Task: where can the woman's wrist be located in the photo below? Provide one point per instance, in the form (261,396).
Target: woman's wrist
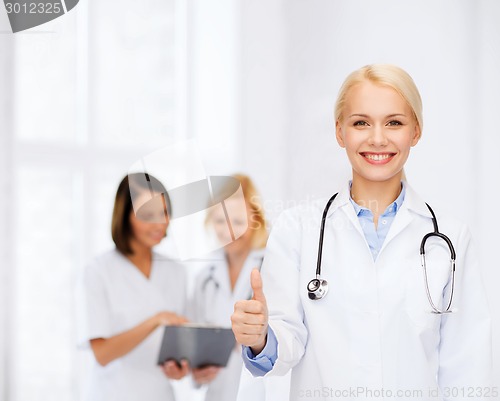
(257,349)
(157,321)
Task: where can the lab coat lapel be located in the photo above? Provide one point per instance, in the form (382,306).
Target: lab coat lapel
(221,273)
(401,221)
(411,204)
(342,201)
(242,289)
(353,218)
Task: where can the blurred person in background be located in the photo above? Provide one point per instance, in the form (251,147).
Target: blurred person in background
(126,294)
(241,227)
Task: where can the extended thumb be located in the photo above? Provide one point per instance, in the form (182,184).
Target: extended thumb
(256,283)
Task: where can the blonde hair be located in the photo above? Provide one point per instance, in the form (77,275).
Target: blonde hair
(257,223)
(253,200)
(383,74)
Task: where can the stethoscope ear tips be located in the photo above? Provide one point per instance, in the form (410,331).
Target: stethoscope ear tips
(317,289)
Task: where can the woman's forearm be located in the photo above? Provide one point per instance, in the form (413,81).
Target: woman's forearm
(107,350)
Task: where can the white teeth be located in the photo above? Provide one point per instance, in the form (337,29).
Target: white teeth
(378,156)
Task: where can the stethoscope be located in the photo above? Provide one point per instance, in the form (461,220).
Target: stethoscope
(211,278)
(317,288)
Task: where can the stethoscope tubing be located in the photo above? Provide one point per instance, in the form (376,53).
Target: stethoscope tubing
(321,235)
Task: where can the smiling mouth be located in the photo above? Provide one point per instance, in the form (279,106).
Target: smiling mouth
(157,235)
(377,156)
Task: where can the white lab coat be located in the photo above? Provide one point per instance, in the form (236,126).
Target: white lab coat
(213,303)
(113,297)
(373,331)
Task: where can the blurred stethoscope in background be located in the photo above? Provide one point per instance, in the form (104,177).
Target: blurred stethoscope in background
(317,288)
(211,280)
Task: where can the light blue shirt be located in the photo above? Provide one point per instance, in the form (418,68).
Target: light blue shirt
(375,236)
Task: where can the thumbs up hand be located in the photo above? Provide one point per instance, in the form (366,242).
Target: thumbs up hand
(256,283)
(250,318)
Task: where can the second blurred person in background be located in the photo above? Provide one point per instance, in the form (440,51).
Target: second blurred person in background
(241,229)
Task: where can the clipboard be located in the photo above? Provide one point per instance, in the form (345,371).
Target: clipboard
(201,345)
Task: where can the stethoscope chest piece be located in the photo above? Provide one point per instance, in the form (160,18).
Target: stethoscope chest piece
(317,288)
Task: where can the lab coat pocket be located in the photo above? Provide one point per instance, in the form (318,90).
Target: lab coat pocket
(417,304)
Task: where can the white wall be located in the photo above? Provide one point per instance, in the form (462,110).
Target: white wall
(6,251)
(264,99)
(214,84)
(484,147)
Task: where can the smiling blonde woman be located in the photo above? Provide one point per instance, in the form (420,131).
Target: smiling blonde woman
(358,323)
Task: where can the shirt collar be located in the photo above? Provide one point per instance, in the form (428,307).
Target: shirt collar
(392,208)
(412,201)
